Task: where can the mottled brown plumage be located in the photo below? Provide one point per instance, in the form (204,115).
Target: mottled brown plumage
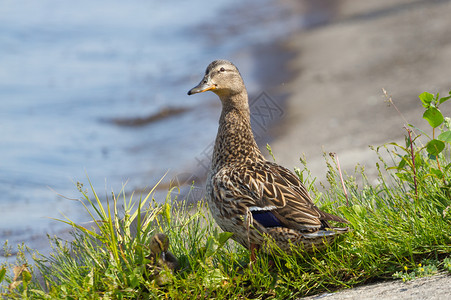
(160,259)
(248,195)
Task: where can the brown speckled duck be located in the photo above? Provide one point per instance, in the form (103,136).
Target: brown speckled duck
(160,259)
(248,195)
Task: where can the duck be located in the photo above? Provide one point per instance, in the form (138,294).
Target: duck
(160,259)
(249,196)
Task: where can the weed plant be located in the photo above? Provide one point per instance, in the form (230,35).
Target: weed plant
(400,228)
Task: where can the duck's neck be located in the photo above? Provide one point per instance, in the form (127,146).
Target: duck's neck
(235,141)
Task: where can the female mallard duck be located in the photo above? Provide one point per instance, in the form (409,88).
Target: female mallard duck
(160,259)
(248,195)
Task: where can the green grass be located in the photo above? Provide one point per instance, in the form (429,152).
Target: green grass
(401,226)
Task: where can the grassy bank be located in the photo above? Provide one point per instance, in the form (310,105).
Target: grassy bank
(401,224)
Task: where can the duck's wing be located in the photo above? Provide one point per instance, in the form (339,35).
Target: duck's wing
(299,206)
(275,197)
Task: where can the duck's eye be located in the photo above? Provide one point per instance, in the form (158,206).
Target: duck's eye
(222,69)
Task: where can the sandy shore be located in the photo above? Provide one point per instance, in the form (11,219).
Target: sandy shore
(336,98)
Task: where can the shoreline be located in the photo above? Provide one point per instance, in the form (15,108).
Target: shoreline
(336,102)
(262,62)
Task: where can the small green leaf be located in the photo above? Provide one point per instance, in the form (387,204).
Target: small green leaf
(434,147)
(445,136)
(426,98)
(441,100)
(210,247)
(359,210)
(433,116)
(403,162)
(437,173)
(223,238)
(26,276)
(2,274)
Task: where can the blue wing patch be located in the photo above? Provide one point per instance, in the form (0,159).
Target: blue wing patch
(266,218)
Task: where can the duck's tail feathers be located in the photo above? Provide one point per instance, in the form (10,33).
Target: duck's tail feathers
(329,217)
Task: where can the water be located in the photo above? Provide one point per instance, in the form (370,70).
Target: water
(69,69)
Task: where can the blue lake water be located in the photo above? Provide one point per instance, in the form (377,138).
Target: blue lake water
(68,69)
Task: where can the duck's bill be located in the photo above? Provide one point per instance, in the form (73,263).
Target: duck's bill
(201,87)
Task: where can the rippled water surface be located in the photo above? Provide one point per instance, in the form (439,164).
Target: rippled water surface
(74,76)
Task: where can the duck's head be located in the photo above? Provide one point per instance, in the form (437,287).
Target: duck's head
(159,244)
(222,78)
